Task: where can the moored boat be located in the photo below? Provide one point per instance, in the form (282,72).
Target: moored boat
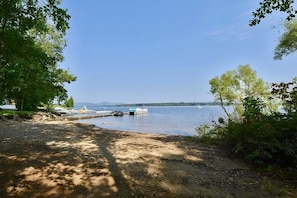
(118,113)
(70,112)
(103,112)
(137,111)
(8,107)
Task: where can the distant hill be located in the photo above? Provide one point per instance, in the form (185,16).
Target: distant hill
(90,104)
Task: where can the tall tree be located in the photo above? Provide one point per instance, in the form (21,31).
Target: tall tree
(234,86)
(268,6)
(31,44)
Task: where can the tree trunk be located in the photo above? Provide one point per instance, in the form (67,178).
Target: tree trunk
(222,105)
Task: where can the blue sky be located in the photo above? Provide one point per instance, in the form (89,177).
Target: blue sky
(135,51)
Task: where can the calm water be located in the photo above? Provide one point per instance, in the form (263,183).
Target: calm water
(163,120)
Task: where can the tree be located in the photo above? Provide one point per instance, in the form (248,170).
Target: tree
(268,6)
(287,93)
(24,15)
(234,86)
(69,102)
(31,44)
(288,41)
(52,43)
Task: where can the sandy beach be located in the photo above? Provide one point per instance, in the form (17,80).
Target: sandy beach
(67,159)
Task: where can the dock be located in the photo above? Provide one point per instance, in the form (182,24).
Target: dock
(90,116)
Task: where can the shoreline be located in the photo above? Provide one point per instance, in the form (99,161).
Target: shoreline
(67,159)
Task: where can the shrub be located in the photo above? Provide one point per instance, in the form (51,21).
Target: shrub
(263,139)
(212,133)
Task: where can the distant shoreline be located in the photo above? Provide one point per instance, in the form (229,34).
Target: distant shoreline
(106,104)
(172,104)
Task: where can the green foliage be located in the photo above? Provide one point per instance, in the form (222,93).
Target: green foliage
(212,134)
(268,6)
(204,130)
(262,137)
(32,40)
(271,140)
(253,108)
(69,102)
(288,41)
(13,114)
(287,94)
(233,86)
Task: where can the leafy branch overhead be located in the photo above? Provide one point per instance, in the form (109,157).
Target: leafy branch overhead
(288,41)
(268,6)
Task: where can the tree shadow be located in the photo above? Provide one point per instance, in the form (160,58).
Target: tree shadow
(81,160)
(52,160)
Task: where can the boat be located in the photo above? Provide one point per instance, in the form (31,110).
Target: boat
(118,113)
(104,112)
(83,110)
(137,111)
(8,107)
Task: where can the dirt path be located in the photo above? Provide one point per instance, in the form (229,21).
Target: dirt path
(64,159)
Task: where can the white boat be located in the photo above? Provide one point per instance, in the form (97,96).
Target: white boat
(8,107)
(104,112)
(82,110)
(85,110)
(137,111)
(62,111)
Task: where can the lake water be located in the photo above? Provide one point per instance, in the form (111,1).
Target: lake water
(173,120)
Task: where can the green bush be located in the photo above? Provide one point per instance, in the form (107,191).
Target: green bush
(211,133)
(69,102)
(263,139)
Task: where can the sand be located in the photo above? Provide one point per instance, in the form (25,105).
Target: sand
(67,159)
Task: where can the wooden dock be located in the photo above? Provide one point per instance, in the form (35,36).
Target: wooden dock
(91,116)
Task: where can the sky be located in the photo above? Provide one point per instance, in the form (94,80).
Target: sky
(146,51)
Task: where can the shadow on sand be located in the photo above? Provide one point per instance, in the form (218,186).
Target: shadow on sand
(79,160)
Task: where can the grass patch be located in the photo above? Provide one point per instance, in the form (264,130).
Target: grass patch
(10,114)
